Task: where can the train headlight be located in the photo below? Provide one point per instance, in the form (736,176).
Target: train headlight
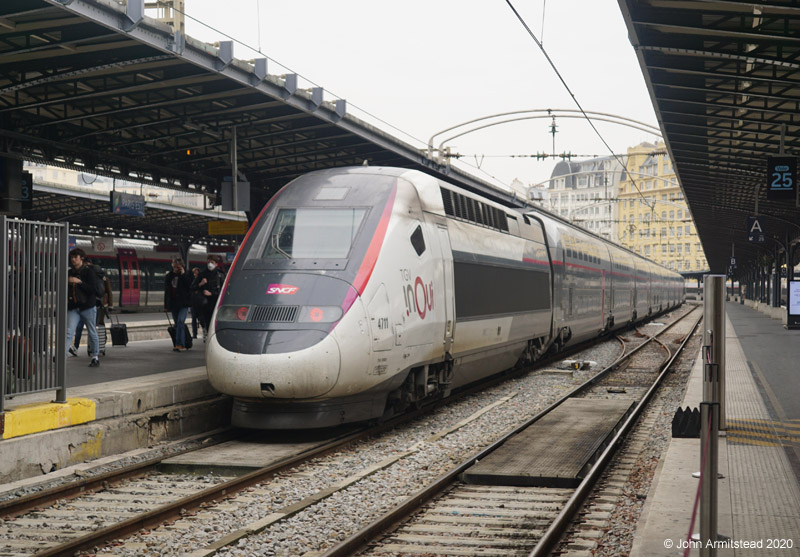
(233,313)
(319,314)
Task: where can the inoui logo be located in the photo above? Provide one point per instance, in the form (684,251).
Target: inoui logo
(282,289)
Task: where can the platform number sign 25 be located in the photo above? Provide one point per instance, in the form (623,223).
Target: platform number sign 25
(781,178)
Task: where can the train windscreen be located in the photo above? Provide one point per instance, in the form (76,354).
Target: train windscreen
(312,233)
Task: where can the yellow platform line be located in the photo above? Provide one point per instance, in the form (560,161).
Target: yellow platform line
(746,441)
(38,417)
(751,434)
(787,425)
(765,427)
(777,438)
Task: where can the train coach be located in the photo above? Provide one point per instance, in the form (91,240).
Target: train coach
(136,269)
(360,291)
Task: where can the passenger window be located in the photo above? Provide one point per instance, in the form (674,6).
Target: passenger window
(418,241)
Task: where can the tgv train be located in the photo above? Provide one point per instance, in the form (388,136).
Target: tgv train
(360,291)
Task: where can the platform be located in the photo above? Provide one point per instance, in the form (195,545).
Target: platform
(141,394)
(557,450)
(759,496)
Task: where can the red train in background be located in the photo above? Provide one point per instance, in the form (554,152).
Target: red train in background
(137,269)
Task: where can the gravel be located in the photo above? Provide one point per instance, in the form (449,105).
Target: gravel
(322,525)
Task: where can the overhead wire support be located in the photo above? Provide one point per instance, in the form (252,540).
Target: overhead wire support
(571,94)
(536,113)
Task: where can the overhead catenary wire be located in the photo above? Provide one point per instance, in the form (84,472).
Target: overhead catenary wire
(571,94)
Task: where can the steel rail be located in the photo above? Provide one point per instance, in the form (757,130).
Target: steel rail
(402,511)
(20,505)
(559,526)
(15,507)
(174,510)
(178,508)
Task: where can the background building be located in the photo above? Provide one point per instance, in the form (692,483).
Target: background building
(653,217)
(583,192)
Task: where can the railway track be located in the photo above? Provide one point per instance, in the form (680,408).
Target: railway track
(454,518)
(189,504)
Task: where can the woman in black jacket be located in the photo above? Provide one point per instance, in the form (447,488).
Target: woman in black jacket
(177,299)
(205,291)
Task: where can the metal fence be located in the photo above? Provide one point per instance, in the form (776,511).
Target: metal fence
(33,302)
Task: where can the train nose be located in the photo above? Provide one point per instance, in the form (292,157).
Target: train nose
(278,364)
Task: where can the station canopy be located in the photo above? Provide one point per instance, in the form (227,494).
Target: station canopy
(97,86)
(89,213)
(724,77)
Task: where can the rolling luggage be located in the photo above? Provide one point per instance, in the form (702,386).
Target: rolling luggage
(119,333)
(102,338)
(187,333)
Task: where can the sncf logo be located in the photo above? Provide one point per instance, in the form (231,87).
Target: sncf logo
(285,289)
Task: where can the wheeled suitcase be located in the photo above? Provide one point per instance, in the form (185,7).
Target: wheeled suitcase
(186,333)
(102,338)
(119,332)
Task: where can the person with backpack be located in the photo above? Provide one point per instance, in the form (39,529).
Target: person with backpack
(104,305)
(83,288)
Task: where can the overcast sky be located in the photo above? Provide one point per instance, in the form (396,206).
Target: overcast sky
(424,66)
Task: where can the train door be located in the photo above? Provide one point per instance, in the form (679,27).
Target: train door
(130,278)
(449,309)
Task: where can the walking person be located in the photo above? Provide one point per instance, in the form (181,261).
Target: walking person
(205,291)
(177,299)
(83,286)
(195,303)
(104,305)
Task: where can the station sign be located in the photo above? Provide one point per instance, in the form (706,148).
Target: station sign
(227,227)
(793,307)
(755,232)
(127,204)
(781,178)
(103,244)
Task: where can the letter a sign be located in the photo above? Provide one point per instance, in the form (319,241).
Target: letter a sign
(755,233)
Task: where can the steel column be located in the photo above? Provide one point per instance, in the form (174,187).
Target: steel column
(714,336)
